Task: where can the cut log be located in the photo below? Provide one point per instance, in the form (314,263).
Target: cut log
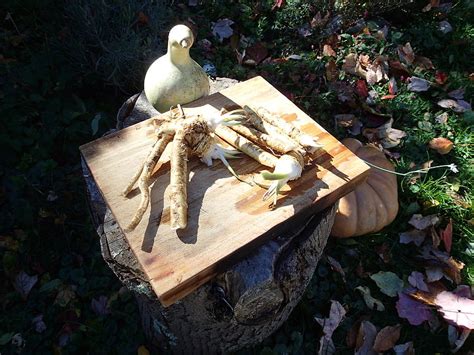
(238,308)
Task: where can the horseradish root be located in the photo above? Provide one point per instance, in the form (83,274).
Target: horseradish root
(178,183)
(245,146)
(305,140)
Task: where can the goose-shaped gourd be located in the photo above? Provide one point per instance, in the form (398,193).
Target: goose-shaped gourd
(176,78)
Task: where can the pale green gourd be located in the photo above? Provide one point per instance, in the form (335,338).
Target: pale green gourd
(176,78)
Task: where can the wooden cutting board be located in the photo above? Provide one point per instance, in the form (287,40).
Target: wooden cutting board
(226,218)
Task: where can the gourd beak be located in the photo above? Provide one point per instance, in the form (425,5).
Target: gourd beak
(185,43)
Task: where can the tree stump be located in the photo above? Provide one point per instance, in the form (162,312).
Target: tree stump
(241,306)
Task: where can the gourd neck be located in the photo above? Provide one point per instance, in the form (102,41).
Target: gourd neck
(178,56)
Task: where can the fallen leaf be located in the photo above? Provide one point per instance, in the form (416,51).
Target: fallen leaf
(345,120)
(406,54)
(423,62)
(414,311)
(305,30)
(387,136)
(387,338)
(221,29)
(388,282)
(344,92)
(463,291)
(441,145)
(65,295)
(365,339)
(442,118)
(38,324)
(457,338)
(434,274)
(336,266)
(457,94)
(418,84)
(457,309)
(24,283)
(392,86)
(361,88)
(441,77)
(364,60)
(398,69)
(100,306)
(435,259)
(404,349)
(318,21)
(142,18)
(446,236)
(332,73)
(383,250)
(371,302)
(413,236)
(336,315)
(328,51)
(456,105)
(352,66)
(421,222)
(257,52)
(374,74)
(326,346)
(142,350)
(388,97)
(417,280)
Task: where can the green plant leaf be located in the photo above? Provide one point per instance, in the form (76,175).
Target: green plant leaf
(5,338)
(95,123)
(388,282)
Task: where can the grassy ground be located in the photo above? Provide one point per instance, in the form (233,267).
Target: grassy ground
(57,293)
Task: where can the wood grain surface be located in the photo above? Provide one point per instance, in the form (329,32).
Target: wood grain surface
(226,218)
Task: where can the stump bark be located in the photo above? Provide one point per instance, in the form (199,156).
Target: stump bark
(238,308)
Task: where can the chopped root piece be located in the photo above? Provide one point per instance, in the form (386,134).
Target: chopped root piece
(271,141)
(305,140)
(178,183)
(245,146)
(289,167)
(144,180)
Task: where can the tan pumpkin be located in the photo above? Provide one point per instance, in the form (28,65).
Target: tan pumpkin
(374,203)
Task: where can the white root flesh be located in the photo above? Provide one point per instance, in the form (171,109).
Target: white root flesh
(179,181)
(246,146)
(306,141)
(271,141)
(289,167)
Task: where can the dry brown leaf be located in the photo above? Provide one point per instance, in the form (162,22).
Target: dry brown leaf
(328,51)
(364,60)
(332,73)
(387,338)
(365,338)
(423,62)
(441,145)
(352,66)
(406,53)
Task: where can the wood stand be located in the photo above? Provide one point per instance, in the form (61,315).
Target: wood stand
(241,306)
